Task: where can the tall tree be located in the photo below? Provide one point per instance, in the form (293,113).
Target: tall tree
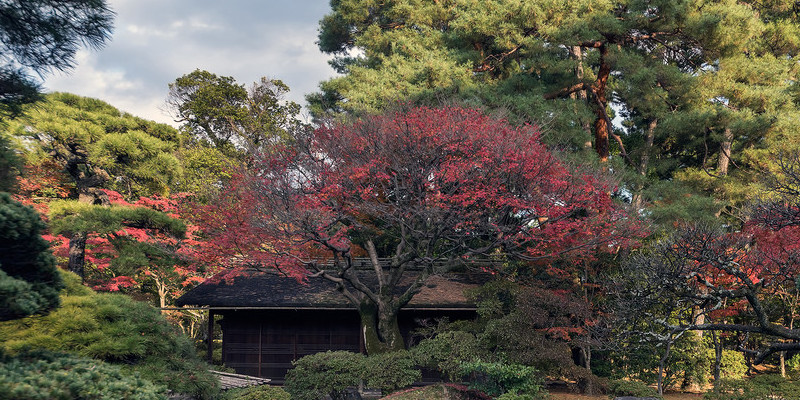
(696,89)
(37,36)
(233,119)
(425,189)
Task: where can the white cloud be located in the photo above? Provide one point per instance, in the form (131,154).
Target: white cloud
(157,41)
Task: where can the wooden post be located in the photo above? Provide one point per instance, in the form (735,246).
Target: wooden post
(210,347)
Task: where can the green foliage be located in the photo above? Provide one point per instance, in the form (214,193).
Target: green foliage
(332,372)
(10,164)
(447,351)
(39,36)
(792,367)
(206,170)
(633,388)
(262,392)
(219,112)
(391,371)
(43,375)
(115,329)
(100,147)
(29,280)
(324,374)
(732,365)
(68,217)
(508,381)
(761,387)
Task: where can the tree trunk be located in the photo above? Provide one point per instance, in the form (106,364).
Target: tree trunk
(380,329)
(783,363)
(725,153)
(601,128)
(637,200)
(717,357)
(77,252)
(661,367)
(577,52)
(77,243)
(587,359)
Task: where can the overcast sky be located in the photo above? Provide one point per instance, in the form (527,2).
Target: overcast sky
(156,41)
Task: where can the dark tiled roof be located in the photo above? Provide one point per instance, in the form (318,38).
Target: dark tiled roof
(271,290)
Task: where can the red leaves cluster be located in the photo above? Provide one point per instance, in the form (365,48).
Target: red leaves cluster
(424,183)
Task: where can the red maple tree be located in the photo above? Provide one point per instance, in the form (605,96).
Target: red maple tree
(421,189)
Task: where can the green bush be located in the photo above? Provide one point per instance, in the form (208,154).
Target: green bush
(391,371)
(324,374)
(263,392)
(513,381)
(44,375)
(29,279)
(619,388)
(793,366)
(732,364)
(762,387)
(332,372)
(446,352)
(115,329)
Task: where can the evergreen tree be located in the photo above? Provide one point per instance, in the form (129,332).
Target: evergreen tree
(218,111)
(701,88)
(99,148)
(29,280)
(37,36)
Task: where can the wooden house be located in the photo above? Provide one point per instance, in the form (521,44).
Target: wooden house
(269,320)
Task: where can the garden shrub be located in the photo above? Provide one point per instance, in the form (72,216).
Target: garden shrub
(620,388)
(506,381)
(332,372)
(446,352)
(43,375)
(262,392)
(732,364)
(391,371)
(29,280)
(324,374)
(793,366)
(116,329)
(762,387)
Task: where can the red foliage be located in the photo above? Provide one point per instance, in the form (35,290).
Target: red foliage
(426,184)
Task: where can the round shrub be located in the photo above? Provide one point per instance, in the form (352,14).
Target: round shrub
(513,381)
(324,374)
(29,279)
(391,371)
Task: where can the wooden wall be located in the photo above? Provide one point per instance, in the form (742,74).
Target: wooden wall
(264,343)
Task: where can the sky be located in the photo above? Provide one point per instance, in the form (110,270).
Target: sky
(156,41)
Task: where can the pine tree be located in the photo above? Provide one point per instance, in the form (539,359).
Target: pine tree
(29,280)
